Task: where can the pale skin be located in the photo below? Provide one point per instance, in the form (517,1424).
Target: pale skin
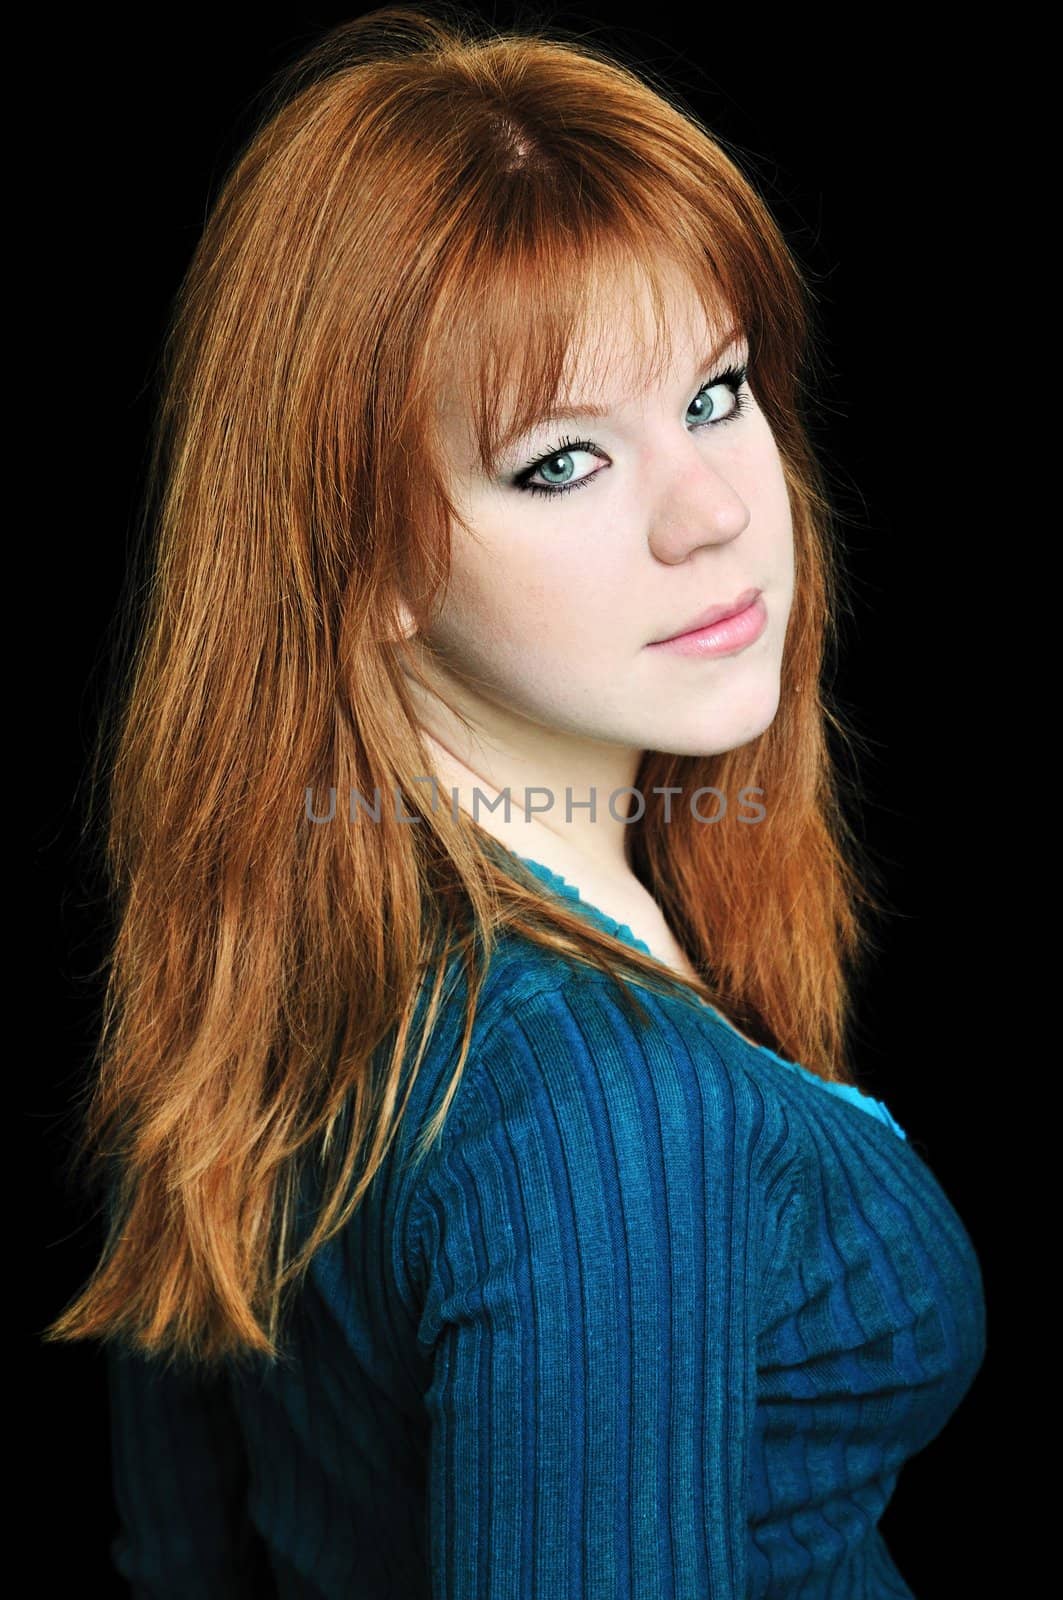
(553,601)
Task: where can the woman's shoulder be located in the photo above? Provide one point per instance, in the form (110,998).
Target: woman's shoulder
(562,1051)
(573,1119)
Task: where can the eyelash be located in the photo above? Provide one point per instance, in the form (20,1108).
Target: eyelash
(733,378)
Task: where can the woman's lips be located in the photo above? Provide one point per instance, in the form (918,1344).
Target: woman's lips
(712,614)
(723,636)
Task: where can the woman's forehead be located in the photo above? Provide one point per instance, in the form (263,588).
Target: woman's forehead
(617,350)
(621,331)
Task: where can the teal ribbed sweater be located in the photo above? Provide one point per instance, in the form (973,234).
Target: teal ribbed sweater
(661,1318)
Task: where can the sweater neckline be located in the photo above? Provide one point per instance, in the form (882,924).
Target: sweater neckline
(621,930)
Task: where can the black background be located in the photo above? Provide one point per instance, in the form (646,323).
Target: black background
(870,153)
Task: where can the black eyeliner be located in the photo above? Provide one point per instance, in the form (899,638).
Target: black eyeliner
(732,377)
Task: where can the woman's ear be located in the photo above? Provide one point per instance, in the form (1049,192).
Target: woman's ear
(407,620)
(407,626)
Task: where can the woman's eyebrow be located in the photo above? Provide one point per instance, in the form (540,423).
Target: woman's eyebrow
(570,412)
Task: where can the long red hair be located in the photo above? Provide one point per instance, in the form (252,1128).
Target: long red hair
(426,205)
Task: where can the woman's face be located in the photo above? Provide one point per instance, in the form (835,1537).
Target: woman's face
(556,598)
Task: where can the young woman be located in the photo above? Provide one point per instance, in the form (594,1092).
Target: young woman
(493,1207)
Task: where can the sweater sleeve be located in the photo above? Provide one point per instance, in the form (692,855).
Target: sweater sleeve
(179,1478)
(592,1241)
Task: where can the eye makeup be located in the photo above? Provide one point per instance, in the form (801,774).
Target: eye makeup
(732,378)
